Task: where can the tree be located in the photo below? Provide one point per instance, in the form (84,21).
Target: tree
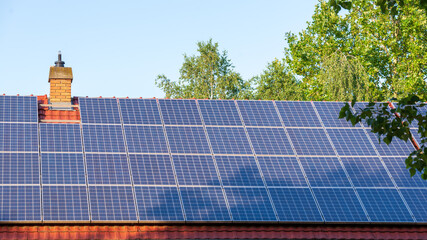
(210,74)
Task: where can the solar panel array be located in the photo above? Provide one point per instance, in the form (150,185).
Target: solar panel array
(169,160)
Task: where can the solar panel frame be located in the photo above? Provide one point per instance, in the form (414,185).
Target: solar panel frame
(401,175)
(220,112)
(229,140)
(367,172)
(281,171)
(19,137)
(324,172)
(20,203)
(351,142)
(298,114)
(329,112)
(103,138)
(180,112)
(99,110)
(239,171)
(19,168)
(187,139)
(151,169)
(139,111)
(18,109)
(414,198)
(259,113)
(60,137)
(196,170)
(311,142)
(270,141)
(145,139)
(62,168)
(107,169)
(393,149)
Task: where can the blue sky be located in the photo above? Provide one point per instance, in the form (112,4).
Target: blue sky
(118,48)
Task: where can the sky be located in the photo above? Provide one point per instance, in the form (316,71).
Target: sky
(117,48)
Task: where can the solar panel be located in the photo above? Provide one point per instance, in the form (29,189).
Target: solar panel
(311,142)
(270,141)
(401,175)
(107,169)
(359,106)
(99,110)
(339,205)
(384,205)
(20,203)
(18,109)
(112,203)
(65,203)
(158,203)
(60,137)
(18,137)
(19,168)
(204,204)
(396,148)
(250,204)
(145,139)
(180,112)
(195,170)
(415,198)
(417,137)
(324,172)
(151,169)
(239,171)
(329,112)
(62,168)
(259,113)
(187,140)
(220,112)
(295,205)
(228,140)
(298,114)
(139,111)
(103,138)
(367,172)
(351,142)
(281,171)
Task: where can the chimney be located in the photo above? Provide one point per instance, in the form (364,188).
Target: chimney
(60,79)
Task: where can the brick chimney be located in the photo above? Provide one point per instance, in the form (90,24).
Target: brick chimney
(60,79)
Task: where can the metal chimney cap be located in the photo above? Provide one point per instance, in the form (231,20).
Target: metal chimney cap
(59,63)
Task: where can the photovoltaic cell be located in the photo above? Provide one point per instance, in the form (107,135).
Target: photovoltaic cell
(259,113)
(401,175)
(281,171)
(359,106)
(63,168)
(204,204)
(384,205)
(145,139)
(152,169)
(107,169)
(324,172)
(220,112)
(99,110)
(229,140)
(329,112)
(367,172)
(19,168)
(112,203)
(60,137)
(250,204)
(195,170)
(20,203)
(187,140)
(140,111)
(239,171)
(103,138)
(311,142)
(295,205)
(351,142)
(298,114)
(18,137)
(270,141)
(65,203)
(415,199)
(18,109)
(396,148)
(180,112)
(158,204)
(340,205)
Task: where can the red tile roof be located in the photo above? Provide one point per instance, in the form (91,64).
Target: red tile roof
(72,116)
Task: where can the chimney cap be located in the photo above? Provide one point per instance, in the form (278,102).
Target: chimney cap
(59,63)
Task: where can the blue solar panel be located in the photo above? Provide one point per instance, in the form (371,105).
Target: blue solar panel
(324,172)
(19,168)
(270,141)
(195,170)
(311,142)
(340,205)
(180,112)
(145,139)
(18,109)
(204,204)
(152,169)
(107,169)
(140,111)
(250,204)
(329,112)
(401,175)
(295,205)
(416,199)
(18,137)
(229,140)
(103,138)
(158,204)
(239,171)
(63,168)
(281,171)
(396,148)
(187,140)
(367,172)
(99,110)
(259,113)
(60,137)
(359,106)
(112,203)
(384,205)
(65,203)
(298,114)
(351,142)
(20,203)
(220,112)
